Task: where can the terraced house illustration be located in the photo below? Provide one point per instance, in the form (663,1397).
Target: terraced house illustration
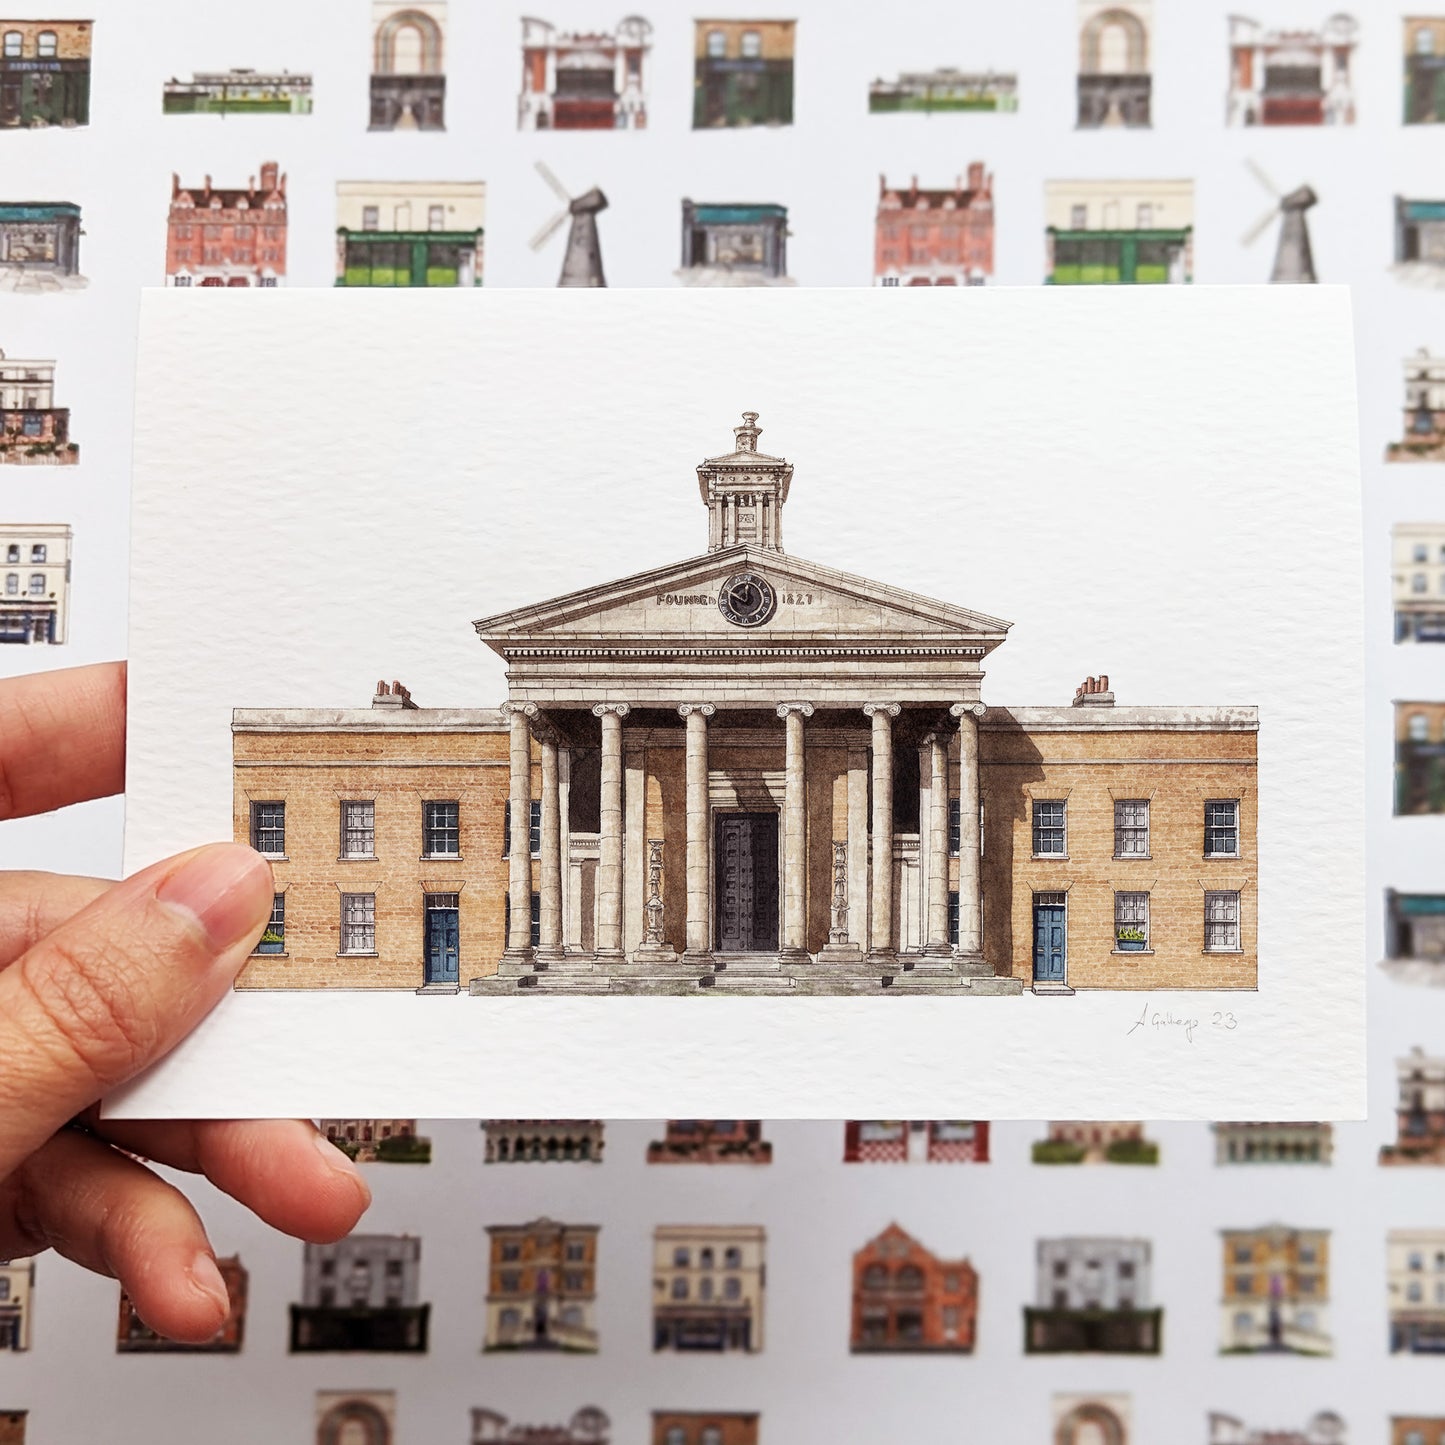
(747,773)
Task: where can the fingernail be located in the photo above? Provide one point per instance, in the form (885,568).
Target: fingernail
(206,1279)
(224,891)
(338,1161)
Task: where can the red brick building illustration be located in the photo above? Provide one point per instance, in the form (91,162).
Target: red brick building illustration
(914,1141)
(935,237)
(228,236)
(711,1141)
(906,1300)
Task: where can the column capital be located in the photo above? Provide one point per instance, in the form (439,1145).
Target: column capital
(686,709)
(886,709)
(601,709)
(805,708)
(976,708)
(519,709)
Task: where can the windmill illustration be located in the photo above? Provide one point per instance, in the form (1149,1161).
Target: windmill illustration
(582,264)
(1293,260)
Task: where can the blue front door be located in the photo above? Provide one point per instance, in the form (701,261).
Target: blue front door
(441,945)
(1048,942)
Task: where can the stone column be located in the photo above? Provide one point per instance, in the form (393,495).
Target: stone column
(795,835)
(880,936)
(936,944)
(609,861)
(519,815)
(699,895)
(970,878)
(549,942)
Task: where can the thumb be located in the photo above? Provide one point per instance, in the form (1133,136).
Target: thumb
(120,984)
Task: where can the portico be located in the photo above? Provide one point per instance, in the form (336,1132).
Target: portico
(749,769)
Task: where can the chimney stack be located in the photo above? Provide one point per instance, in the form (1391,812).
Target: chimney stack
(1094,692)
(975,175)
(394,695)
(270,173)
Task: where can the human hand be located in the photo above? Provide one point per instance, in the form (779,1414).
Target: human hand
(100,979)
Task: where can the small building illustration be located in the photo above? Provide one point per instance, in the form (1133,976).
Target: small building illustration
(1115,83)
(1324,1428)
(1092,1296)
(1012,849)
(1114,1142)
(1419,1111)
(741,243)
(584,80)
(1415,936)
(17,1290)
(915,1141)
(743,73)
(1423,438)
(542,1287)
(356,1417)
(12,1426)
(935,237)
(410,233)
(1119,232)
(1093,1420)
(1291,77)
(35,595)
(45,73)
(711,1141)
(360,1296)
(588,1426)
(1417,1430)
(707,1287)
(908,1301)
(715,1427)
(1417,581)
(33,430)
(228,236)
(544,1141)
(134,1337)
(408,80)
(388,1141)
(1415,1286)
(1276,1291)
(1287,1143)
(1419,758)
(40,246)
(1424,75)
(934,92)
(1420,241)
(238,92)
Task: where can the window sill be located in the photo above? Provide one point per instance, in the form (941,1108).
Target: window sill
(1132,857)
(439,858)
(356,858)
(372,953)
(274,857)
(1133,952)
(1224,857)
(257,953)
(1049,857)
(1208,952)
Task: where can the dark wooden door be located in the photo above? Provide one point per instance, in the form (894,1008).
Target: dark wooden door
(746,905)
(1049,937)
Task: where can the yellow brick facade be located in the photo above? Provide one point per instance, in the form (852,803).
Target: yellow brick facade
(72,37)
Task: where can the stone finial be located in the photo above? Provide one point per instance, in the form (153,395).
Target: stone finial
(748,433)
(1094,692)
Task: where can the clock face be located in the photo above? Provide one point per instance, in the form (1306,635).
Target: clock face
(746,600)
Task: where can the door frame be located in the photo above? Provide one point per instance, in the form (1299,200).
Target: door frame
(1034,905)
(426,967)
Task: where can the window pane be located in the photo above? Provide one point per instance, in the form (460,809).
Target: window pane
(1049,828)
(358,923)
(1221,921)
(358,830)
(1221,828)
(1131,828)
(441,828)
(268,828)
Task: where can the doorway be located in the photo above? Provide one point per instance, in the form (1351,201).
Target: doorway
(443,952)
(745,908)
(1049,937)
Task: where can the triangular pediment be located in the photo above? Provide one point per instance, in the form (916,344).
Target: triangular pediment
(812,605)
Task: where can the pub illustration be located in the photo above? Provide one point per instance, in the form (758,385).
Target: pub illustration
(747,773)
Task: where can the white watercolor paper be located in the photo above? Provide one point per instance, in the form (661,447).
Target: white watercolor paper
(1161,484)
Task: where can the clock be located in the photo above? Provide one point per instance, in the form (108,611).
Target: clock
(746,600)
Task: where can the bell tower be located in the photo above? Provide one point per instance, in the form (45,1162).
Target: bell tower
(744,493)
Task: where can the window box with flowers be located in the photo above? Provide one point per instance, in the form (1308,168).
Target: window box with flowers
(1131,940)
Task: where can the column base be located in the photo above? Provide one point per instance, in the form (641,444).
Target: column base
(655,953)
(545,956)
(794,956)
(937,950)
(697,958)
(840,953)
(515,961)
(609,955)
(884,958)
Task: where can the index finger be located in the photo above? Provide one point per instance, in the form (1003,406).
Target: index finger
(62,738)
